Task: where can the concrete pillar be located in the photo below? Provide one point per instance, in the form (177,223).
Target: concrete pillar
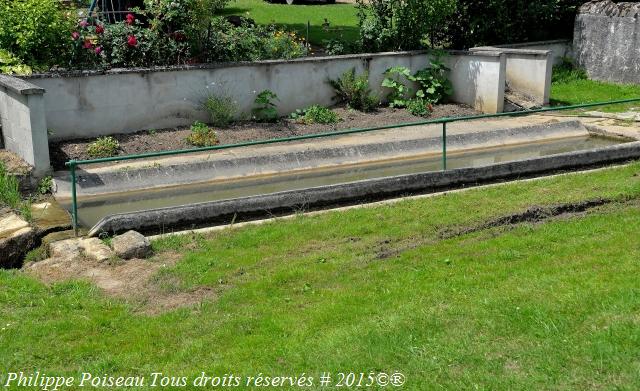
(528,71)
(24,125)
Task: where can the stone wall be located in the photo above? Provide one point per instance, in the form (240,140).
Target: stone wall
(606,41)
(84,105)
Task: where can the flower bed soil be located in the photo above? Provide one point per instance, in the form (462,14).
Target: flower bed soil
(171,139)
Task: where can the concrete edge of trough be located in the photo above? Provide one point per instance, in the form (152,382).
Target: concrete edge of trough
(196,169)
(159,220)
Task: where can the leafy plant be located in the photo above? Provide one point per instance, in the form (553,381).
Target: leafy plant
(398,95)
(433,86)
(10,193)
(433,82)
(419,107)
(103,147)
(222,109)
(336,47)
(355,91)
(266,109)
(10,64)
(35,31)
(402,24)
(45,185)
(221,41)
(202,136)
(9,188)
(567,72)
(316,115)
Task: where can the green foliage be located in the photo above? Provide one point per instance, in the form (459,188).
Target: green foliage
(420,107)
(10,64)
(202,136)
(398,94)
(10,193)
(402,24)
(36,255)
(266,109)
(45,185)
(355,91)
(567,72)
(221,41)
(221,108)
(493,22)
(433,86)
(103,147)
(433,82)
(336,47)
(35,31)
(316,115)
(9,189)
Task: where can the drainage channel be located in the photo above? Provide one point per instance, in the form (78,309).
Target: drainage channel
(95,209)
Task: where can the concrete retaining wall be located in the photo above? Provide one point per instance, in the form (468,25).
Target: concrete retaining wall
(239,164)
(81,105)
(208,213)
(559,48)
(24,126)
(606,41)
(527,72)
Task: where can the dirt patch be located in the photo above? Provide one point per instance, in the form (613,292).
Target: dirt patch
(171,139)
(133,280)
(13,163)
(535,214)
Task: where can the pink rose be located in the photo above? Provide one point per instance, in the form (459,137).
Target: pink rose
(87,44)
(132,40)
(75,35)
(98,49)
(130,19)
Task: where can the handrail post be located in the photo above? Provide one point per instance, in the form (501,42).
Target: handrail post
(444,146)
(74,200)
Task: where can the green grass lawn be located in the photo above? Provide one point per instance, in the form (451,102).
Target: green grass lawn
(343,23)
(550,305)
(571,87)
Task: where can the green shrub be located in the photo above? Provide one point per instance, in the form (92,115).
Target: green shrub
(45,185)
(433,82)
(402,25)
(10,193)
(151,47)
(266,110)
(398,95)
(202,136)
(10,64)
(36,31)
(222,41)
(419,107)
(103,147)
(355,91)
(433,85)
(493,22)
(316,115)
(567,72)
(222,109)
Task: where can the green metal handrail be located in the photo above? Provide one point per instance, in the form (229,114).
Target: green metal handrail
(73,164)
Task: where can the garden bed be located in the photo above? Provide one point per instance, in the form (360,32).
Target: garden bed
(171,139)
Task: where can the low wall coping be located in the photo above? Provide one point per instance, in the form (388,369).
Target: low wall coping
(490,52)
(20,86)
(534,43)
(529,52)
